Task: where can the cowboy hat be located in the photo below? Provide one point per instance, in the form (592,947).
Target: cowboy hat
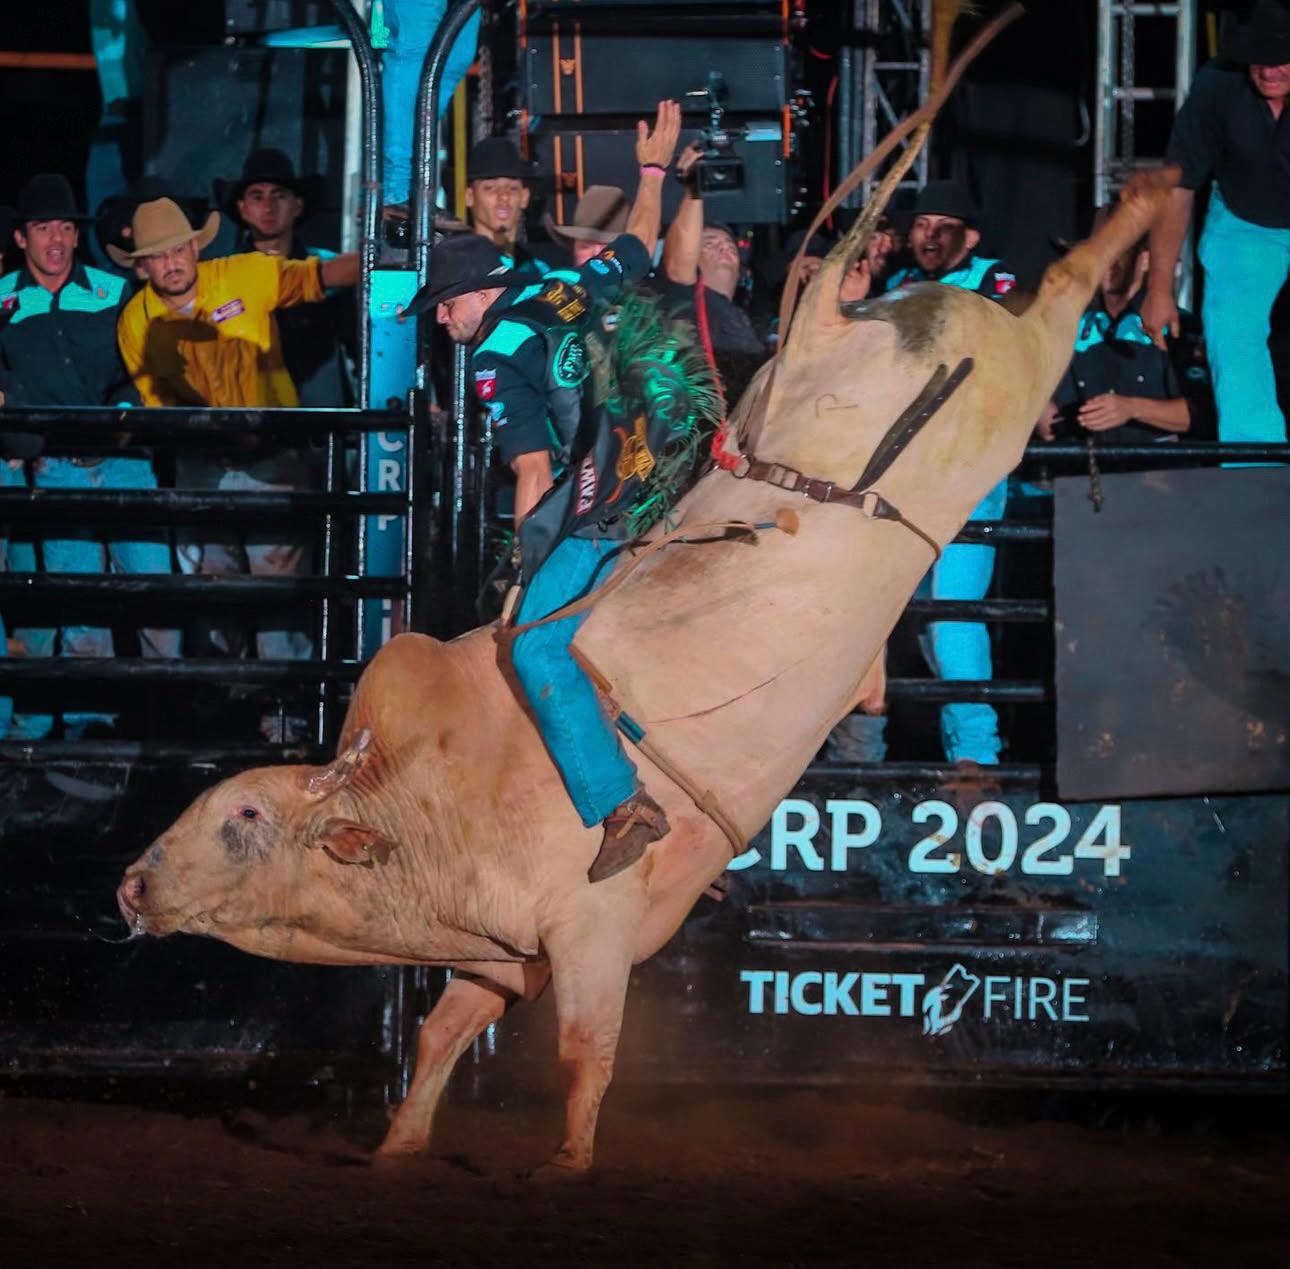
(1265,39)
(267,167)
(600,216)
(947,198)
(47,196)
(495,157)
(465,262)
(160,225)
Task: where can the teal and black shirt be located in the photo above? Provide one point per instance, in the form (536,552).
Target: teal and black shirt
(529,367)
(1115,354)
(60,348)
(976,273)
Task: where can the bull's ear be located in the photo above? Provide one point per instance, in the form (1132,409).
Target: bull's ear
(331,779)
(350,843)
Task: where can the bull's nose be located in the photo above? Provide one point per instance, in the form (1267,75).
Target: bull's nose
(130,894)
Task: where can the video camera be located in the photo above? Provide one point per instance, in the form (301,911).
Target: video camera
(719,170)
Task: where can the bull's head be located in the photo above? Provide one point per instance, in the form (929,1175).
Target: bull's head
(255,853)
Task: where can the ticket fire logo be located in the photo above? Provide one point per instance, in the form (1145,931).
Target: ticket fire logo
(943,1005)
(485,384)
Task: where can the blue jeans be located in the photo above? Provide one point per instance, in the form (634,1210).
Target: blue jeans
(287,633)
(580,738)
(1245,268)
(961,649)
(412,24)
(80,551)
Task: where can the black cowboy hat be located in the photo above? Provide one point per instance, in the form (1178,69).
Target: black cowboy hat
(947,198)
(461,263)
(47,196)
(1265,39)
(494,157)
(271,167)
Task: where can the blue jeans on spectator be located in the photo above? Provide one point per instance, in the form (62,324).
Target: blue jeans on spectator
(579,736)
(412,25)
(285,634)
(79,551)
(961,649)
(1245,268)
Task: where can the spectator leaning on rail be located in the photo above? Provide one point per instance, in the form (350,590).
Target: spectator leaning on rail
(58,348)
(1119,385)
(1234,128)
(943,239)
(270,202)
(203,333)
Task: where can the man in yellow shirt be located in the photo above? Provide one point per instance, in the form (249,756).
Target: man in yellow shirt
(203,333)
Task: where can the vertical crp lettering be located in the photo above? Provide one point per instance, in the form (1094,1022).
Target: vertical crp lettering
(390,442)
(756,980)
(797,993)
(800,838)
(843,839)
(996,991)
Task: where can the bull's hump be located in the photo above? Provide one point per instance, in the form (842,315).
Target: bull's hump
(918,312)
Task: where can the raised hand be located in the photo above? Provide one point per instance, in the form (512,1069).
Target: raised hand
(656,147)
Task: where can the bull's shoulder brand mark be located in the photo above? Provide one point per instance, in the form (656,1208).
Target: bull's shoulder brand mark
(588,484)
(1004,282)
(485,384)
(570,364)
(233,308)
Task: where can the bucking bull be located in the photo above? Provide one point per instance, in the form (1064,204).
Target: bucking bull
(736,655)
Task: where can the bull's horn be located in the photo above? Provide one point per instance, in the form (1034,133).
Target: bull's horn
(331,779)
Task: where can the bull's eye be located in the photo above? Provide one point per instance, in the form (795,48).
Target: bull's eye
(249,813)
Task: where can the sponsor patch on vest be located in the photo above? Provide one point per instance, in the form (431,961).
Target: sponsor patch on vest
(588,483)
(598,265)
(234,308)
(485,384)
(570,366)
(9,304)
(1004,282)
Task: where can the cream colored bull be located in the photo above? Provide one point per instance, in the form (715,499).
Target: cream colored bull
(737,657)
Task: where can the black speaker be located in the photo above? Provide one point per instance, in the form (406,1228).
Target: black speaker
(569,161)
(208,108)
(567,73)
(243,17)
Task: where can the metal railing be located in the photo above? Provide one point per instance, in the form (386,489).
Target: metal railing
(331,596)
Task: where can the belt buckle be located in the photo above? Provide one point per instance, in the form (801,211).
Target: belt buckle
(782,477)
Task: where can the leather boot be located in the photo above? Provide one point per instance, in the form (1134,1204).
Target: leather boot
(629,828)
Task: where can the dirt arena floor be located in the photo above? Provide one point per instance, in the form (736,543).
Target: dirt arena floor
(744,1177)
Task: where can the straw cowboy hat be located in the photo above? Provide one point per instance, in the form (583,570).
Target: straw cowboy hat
(600,216)
(160,225)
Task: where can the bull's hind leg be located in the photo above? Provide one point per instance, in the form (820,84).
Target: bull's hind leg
(1071,282)
(467,1006)
(591,960)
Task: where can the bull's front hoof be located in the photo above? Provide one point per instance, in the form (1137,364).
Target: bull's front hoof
(390,1157)
(556,1173)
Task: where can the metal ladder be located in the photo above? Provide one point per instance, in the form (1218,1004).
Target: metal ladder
(877,90)
(1115,148)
